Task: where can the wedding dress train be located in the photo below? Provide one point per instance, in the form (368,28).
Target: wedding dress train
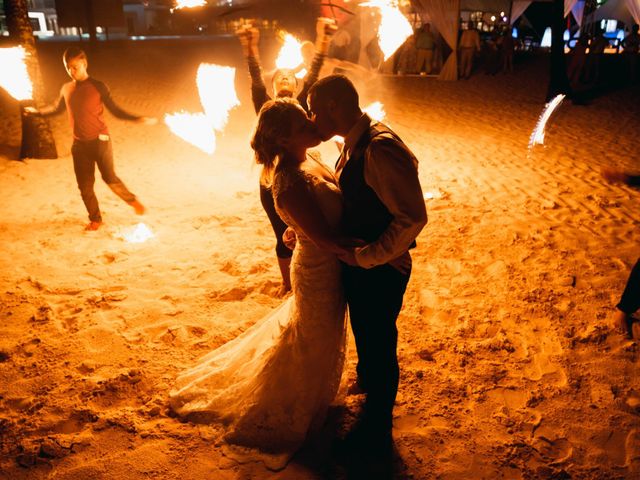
(273,384)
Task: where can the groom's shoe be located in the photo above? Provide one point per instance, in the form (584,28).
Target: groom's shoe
(365,439)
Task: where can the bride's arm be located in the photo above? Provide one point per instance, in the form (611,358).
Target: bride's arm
(299,204)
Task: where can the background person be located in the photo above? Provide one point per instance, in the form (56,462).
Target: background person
(85,98)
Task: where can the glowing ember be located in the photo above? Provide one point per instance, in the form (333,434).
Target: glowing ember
(194,128)
(138,234)
(434,195)
(15,78)
(394,27)
(218,97)
(376,111)
(537,136)
(290,55)
(189,4)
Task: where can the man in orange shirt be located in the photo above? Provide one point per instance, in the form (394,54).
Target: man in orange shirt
(85,98)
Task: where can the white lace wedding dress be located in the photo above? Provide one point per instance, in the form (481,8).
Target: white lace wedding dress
(273,384)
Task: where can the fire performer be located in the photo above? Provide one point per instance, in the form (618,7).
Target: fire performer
(623,320)
(285,84)
(85,99)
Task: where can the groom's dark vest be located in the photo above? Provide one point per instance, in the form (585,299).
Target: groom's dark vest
(364,215)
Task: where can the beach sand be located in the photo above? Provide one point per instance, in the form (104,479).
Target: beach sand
(509,368)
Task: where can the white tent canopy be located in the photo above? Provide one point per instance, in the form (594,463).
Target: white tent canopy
(627,11)
(445,15)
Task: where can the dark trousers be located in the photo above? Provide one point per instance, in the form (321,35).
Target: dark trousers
(630,300)
(86,155)
(278,225)
(374,297)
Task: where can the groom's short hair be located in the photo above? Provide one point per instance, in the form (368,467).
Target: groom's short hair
(338,88)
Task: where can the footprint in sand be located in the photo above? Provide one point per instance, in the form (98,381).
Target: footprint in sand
(632,451)
(554,451)
(230,295)
(541,353)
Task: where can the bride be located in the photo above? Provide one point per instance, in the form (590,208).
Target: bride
(272,385)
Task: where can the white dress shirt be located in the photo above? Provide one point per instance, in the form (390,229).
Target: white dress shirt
(391,170)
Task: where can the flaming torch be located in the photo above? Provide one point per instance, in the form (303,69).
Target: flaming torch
(290,55)
(37,141)
(394,27)
(15,78)
(217,97)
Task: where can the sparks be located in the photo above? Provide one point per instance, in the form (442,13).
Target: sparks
(394,27)
(537,136)
(217,96)
(290,55)
(15,77)
(138,234)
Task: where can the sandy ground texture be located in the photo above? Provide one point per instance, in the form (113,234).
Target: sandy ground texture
(509,367)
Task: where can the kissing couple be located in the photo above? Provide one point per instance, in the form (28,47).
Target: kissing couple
(272,385)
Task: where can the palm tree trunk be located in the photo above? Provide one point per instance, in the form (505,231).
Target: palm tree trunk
(37,139)
(558,80)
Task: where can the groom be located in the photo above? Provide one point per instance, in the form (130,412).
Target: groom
(383,206)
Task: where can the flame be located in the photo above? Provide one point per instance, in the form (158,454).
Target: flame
(194,128)
(300,74)
(217,97)
(537,136)
(217,92)
(376,111)
(138,234)
(394,27)
(15,78)
(189,4)
(290,55)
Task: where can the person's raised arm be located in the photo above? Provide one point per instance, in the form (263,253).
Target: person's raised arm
(325,28)
(249,37)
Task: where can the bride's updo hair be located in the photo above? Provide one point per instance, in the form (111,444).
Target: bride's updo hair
(274,128)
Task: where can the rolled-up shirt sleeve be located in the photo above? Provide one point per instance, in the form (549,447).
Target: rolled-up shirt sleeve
(391,170)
